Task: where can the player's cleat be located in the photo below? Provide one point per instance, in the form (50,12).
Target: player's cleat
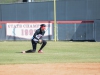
(23,51)
(40,51)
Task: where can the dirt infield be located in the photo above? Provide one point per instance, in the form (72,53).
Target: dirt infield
(51,69)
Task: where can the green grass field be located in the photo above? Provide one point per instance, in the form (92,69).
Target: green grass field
(54,52)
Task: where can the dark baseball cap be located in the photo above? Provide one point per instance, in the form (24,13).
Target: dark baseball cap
(43,25)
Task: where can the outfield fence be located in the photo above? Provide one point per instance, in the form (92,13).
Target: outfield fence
(66,30)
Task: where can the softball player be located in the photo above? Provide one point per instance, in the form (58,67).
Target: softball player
(37,38)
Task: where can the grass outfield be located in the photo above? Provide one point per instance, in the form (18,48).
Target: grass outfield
(54,52)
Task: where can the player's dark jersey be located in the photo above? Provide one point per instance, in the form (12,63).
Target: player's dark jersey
(38,34)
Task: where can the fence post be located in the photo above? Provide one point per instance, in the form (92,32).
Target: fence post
(55,31)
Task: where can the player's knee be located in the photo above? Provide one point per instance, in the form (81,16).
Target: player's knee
(44,42)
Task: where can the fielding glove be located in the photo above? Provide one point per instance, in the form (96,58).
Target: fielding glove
(40,41)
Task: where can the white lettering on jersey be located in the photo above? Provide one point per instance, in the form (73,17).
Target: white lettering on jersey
(38,36)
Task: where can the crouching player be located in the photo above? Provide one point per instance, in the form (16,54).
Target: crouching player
(37,38)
